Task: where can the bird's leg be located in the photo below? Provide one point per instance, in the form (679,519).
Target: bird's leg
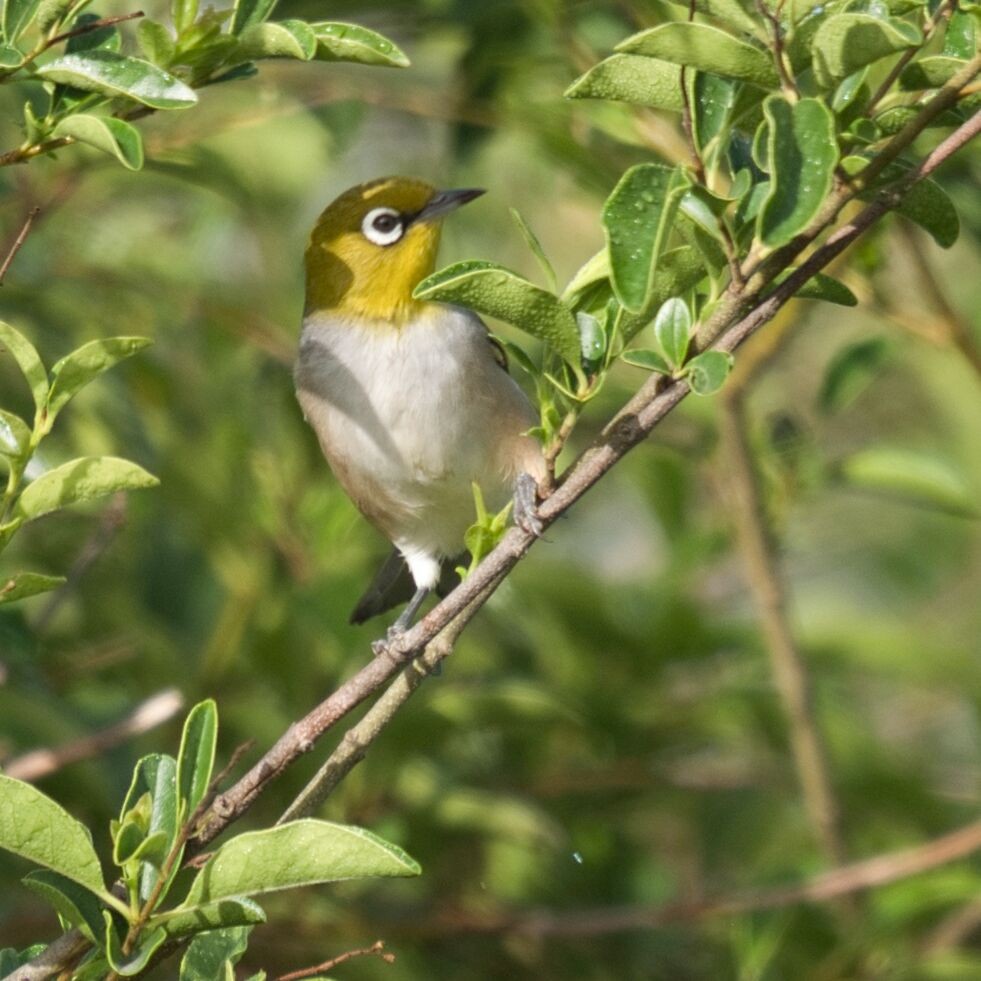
(526,505)
(404,620)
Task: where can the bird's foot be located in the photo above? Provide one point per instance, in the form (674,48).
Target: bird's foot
(526,505)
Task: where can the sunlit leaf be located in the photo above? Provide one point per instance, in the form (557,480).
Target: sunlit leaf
(677,272)
(647,359)
(212,956)
(231,912)
(250,12)
(672,328)
(349,42)
(80,480)
(281,39)
(16,17)
(116,74)
(802,154)
(631,78)
(497,292)
(197,754)
(930,73)
(531,239)
(16,344)
(298,853)
(707,372)
(128,965)
(24,584)
(15,435)
(960,38)
(110,135)
(706,48)
(844,43)
(156,42)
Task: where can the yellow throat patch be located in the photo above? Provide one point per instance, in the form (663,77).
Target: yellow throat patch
(347,273)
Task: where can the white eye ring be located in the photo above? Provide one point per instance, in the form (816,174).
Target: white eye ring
(383,226)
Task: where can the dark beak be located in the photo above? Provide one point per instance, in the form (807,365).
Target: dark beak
(444,202)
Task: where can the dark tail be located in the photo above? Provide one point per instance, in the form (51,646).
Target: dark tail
(393,586)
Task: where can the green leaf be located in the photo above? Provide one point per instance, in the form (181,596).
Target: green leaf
(15,435)
(497,292)
(74,371)
(850,372)
(349,42)
(531,240)
(120,75)
(295,854)
(929,205)
(848,90)
(802,154)
(28,360)
(16,17)
(706,373)
(110,135)
(105,38)
(250,12)
(212,955)
(183,13)
(592,339)
(844,43)
(742,16)
(156,42)
(73,902)
(647,359)
(80,480)
(282,39)
(960,39)
(128,965)
(672,328)
(712,101)
(706,48)
(916,476)
(24,584)
(822,287)
(235,911)
(636,218)
(36,828)
(930,73)
(631,78)
(677,272)
(197,754)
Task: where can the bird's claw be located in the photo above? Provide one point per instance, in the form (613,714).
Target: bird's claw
(526,505)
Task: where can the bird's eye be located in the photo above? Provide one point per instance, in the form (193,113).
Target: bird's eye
(383,226)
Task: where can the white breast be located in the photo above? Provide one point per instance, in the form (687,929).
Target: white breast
(409,417)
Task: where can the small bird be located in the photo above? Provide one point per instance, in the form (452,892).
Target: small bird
(411,400)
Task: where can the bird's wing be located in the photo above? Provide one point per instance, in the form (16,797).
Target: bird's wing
(393,585)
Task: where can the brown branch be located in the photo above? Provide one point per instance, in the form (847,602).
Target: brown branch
(149,714)
(95,25)
(630,427)
(18,242)
(377,949)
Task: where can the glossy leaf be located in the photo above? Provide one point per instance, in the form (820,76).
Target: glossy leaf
(592,339)
(930,72)
(80,480)
(706,373)
(960,38)
(636,218)
(349,42)
(712,101)
(113,136)
(156,775)
(647,359)
(232,912)
(33,826)
(295,854)
(677,272)
(913,475)
(16,17)
(115,74)
(74,371)
(706,48)
(247,13)
(844,43)
(73,902)
(497,292)
(128,965)
(282,39)
(105,38)
(631,78)
(13,342)
(802,154)
(24,584)
(212,956)
(15,435)
(197,754)
(850,373)
(672,328)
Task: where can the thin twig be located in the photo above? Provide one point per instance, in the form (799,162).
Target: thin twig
(377,949)
(95,25)
(18,242)
(149,714)
(772,17)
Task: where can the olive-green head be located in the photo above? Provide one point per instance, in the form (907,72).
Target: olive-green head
(374,244)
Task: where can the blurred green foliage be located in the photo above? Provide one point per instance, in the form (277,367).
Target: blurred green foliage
(608,732)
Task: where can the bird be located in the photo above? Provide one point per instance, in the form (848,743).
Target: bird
(411,400)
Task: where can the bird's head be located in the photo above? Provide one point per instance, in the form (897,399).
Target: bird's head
(373,245)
